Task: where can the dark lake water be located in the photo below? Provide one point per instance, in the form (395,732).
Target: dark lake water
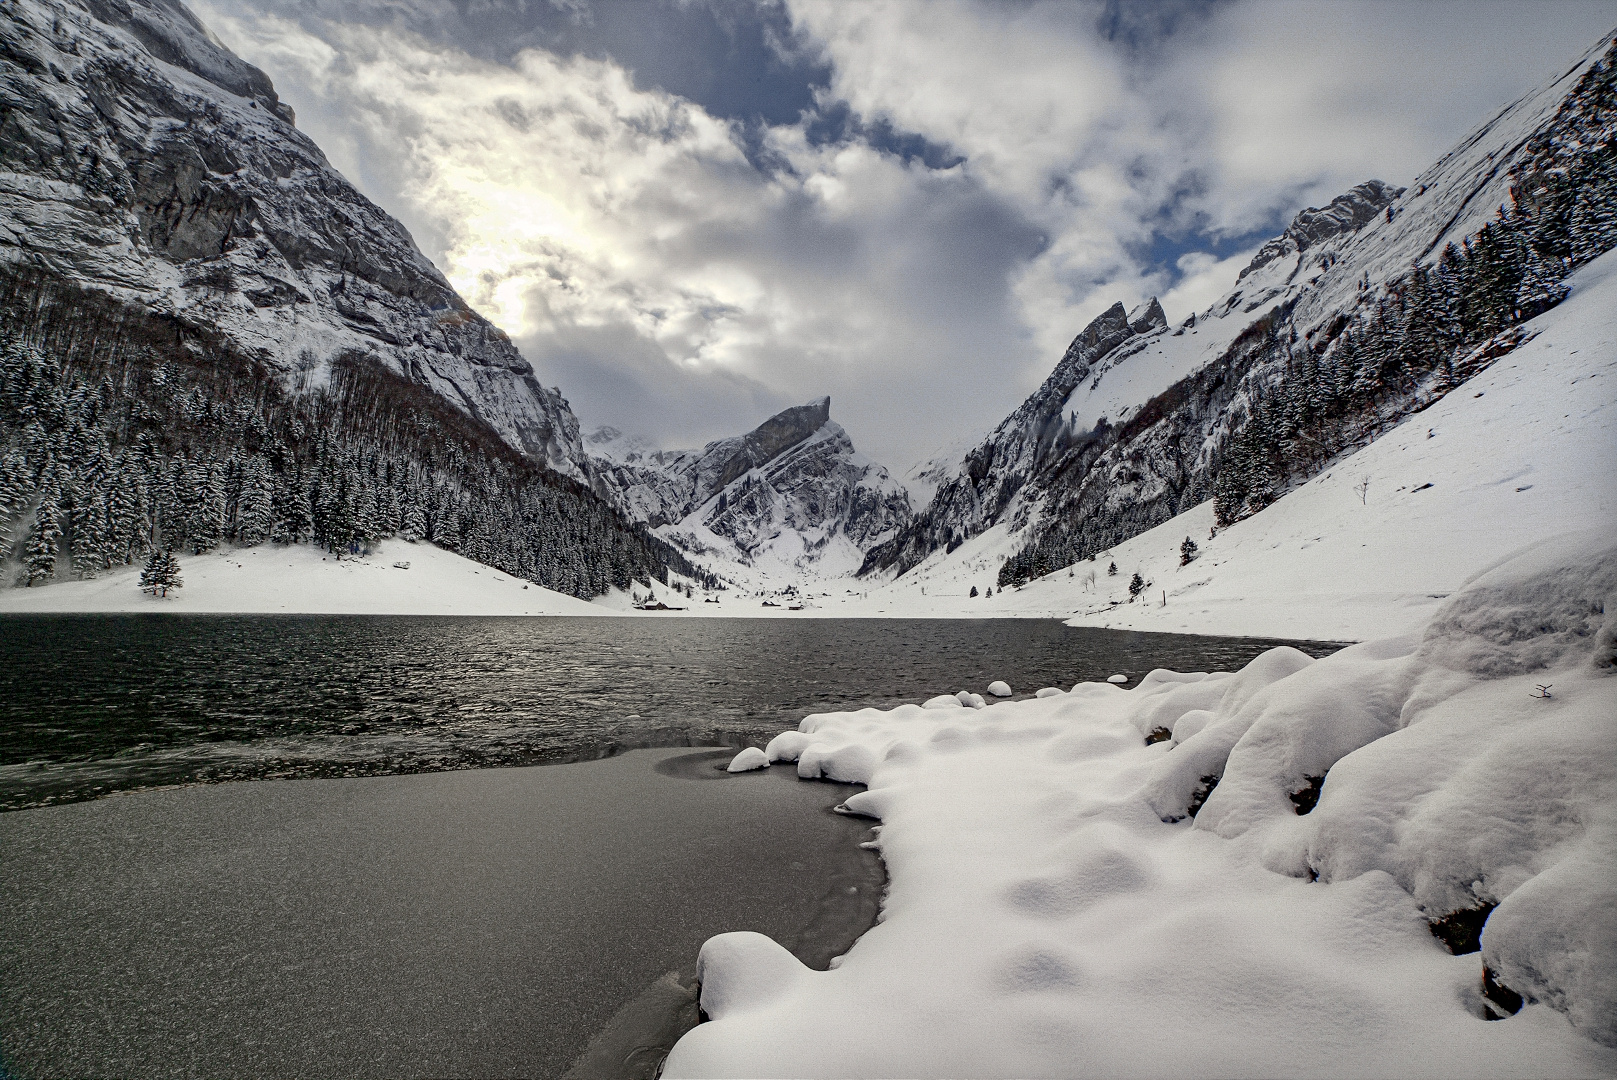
(92,704)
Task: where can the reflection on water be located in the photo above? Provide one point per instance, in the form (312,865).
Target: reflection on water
(101,703)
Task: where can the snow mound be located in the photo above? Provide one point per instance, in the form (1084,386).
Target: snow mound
(1118,680)
(749,759)
(1275,858)
(999,688)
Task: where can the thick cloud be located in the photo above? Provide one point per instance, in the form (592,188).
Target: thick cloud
(692,214)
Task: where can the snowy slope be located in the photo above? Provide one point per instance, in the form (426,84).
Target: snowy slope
(301,579)
(1173,400)
(1321,562)
(1107,929)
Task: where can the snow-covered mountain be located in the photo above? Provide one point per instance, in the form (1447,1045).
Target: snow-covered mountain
(1327,339)
(140,157)
(790,497)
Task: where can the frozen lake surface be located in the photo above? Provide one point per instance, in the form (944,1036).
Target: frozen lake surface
(532,922)
(91,704)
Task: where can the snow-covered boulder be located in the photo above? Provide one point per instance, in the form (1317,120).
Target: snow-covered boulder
(749,759)
(999,688)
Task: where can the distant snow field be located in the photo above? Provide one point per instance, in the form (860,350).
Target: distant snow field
(302,579)
(1076,916)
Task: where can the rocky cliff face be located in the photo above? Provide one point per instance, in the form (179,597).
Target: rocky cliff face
(1345,214)
(792,495)
(140,157)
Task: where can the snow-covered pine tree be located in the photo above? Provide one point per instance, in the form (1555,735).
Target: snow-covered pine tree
(414,526)
(255,502)
(294,520)
(16,486)
(128,528)
(1540,287)
(1593,221)
(161,573)
(40,549)
(88,520)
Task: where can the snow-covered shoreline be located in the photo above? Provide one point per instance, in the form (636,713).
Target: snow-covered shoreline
(1076,920)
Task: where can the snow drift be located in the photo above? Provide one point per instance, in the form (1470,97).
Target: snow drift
(1250,873)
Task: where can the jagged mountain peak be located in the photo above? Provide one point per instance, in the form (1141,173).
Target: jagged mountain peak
(788,427)
(1147,317)
(792,495)
(1344,214)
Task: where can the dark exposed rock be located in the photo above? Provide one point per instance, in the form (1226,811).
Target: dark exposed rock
(1461,931)
(1499,1000)
(1307,797)
(1203,791)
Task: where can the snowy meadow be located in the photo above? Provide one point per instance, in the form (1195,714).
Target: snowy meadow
(1276,871)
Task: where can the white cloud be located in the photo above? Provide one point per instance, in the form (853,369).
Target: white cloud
(642,261)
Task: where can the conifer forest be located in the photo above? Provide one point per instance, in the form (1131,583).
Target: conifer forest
(122,433)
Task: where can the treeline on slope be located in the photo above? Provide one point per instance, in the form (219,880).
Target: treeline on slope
(122,431)
(1425,333)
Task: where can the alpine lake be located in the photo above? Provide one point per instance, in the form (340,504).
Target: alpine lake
(318,845)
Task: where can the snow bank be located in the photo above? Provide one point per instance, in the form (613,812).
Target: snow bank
(303,579)
(749,759)
(1231,873)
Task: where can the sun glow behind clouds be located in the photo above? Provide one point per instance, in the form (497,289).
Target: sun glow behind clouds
(681,274)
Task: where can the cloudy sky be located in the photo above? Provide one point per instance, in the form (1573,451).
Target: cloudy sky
(692,213)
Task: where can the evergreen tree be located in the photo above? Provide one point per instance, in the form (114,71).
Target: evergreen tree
(161,573)
(414,525)
(1593,220)
(294,520)
(88,520)
(255,504)
(1541,287)
(1136,586)
(40,549)
(1187,552)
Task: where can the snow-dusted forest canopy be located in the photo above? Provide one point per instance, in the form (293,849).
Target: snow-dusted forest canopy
(119,432)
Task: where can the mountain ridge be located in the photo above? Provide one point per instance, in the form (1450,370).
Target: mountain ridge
(140,157)
(1153,429)
(793,493)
